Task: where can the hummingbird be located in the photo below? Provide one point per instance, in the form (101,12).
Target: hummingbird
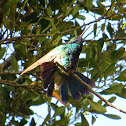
(55,66)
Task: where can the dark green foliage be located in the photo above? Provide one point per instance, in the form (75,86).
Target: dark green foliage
(31,28)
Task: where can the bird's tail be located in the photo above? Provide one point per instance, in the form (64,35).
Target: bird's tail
(75,87)
(69,83)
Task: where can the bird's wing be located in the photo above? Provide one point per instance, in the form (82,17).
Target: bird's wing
(46,58)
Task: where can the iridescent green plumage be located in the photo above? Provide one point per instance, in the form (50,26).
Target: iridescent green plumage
(68,54)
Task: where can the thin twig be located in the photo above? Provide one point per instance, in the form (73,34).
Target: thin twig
(32,88)
(62,33)
(9,73)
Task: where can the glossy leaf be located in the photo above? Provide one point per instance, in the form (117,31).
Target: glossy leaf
(14,63)
(112,116)
(81,17)
(93,119)
(75,10)
(61,122)
(95,29)
(23,122)
(122,76)
(115,88)
(93,64)
(110,29)
(49,11)
(59,111)
(2,52)
(124,26)
(32,122)
(109,70)
(20,49)
(111,100)
(97,107)
(122,93)
(103,27)
(84,120)
(117,54)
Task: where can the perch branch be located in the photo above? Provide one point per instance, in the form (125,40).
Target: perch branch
(99,96)
(91,90)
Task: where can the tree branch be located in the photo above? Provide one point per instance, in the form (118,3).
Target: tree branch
(61,33)
(91,90)
(99,96)
(32,88)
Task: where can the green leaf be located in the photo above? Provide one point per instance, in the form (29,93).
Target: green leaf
(103,27)
(122,93)
(84,120)
(32,122)
(53,32)
(117,54)
(110,11)
(14,64)
(110,29)
(62,122)
(93,52)
(20,49)
(10,3)
(89,3)
(36,101)
(83,63)
(100,101)
(93,120)
(2,52)
(111,100)
(23,122)
(75,10)
(122,76)
(81,17)
(48,18)
(28,95)
(100,44)
(65,25)
(93,63)
(101,8)
(117,17)
(68,11)
(95,29)
(49,11)
(88,52)
(109,70)
(104,59)
(59,111)
(57,40)
(112,116)
(97,106)
(115,88)
(78,124)
(124,26)
(121,1)
(8,77)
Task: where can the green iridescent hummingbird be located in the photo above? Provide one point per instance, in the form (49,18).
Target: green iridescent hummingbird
(54,64)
